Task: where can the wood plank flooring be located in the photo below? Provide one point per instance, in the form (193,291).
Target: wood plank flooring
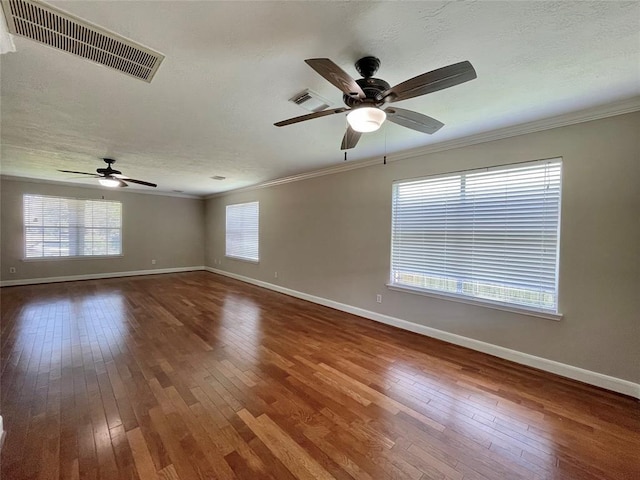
(196,376)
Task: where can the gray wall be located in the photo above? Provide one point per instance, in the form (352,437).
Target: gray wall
(167,229)
(330,236)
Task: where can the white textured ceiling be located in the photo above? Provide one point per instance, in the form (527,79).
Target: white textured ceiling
(230,68)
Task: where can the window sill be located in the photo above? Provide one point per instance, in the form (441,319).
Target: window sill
(81,257)
(480,303)
(248,260)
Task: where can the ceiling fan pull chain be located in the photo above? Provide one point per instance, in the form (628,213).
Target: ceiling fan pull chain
(384,160)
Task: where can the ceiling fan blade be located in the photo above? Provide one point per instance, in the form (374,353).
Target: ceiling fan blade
(335,75)
(429,82)
(413,120)
(79,173)
(310,116)
(350,139)
(139,182)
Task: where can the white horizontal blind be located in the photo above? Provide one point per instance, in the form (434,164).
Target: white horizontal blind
(242,231)
(70,227)
(490,234)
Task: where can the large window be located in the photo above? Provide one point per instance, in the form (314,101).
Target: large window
(489,235)
(242,231)
(70,227)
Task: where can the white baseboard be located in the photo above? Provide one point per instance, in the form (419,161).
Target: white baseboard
(96,276)
(587,376)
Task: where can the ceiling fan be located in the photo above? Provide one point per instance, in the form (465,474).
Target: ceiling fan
(108,177)
(367,97)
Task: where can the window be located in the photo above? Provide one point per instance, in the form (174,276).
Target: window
(242,231)
(69,227)
(490,235)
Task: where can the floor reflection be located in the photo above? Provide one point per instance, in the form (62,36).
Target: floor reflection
(476,409)
(241,325)
(59,328)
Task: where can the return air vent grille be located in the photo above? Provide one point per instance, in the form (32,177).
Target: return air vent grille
(311,101)
(56,28)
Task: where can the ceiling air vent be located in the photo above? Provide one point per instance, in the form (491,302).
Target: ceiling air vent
(49,25)
(310,100)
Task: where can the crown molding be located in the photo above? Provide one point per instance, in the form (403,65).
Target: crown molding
(13,178)
(604,111)
(610,110)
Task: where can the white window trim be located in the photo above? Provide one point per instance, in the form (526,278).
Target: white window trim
(237,257)
(241,259)
(75,257)
(487,303)
(505,307)
(71,257)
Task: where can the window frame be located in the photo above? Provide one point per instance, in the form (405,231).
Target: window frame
(43,258)
(226,233)
(478,301)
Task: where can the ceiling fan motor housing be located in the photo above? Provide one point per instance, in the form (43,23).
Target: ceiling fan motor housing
(368,66)
(108,171)
(372,88)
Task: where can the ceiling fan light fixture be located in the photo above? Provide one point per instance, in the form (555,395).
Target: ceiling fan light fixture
(366,119)
(109,182)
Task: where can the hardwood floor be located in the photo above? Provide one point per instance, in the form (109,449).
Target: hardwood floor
(194,375)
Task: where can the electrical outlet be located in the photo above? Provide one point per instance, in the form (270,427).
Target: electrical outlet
(12,269)
(153,262)
(379,298)
(275,274)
